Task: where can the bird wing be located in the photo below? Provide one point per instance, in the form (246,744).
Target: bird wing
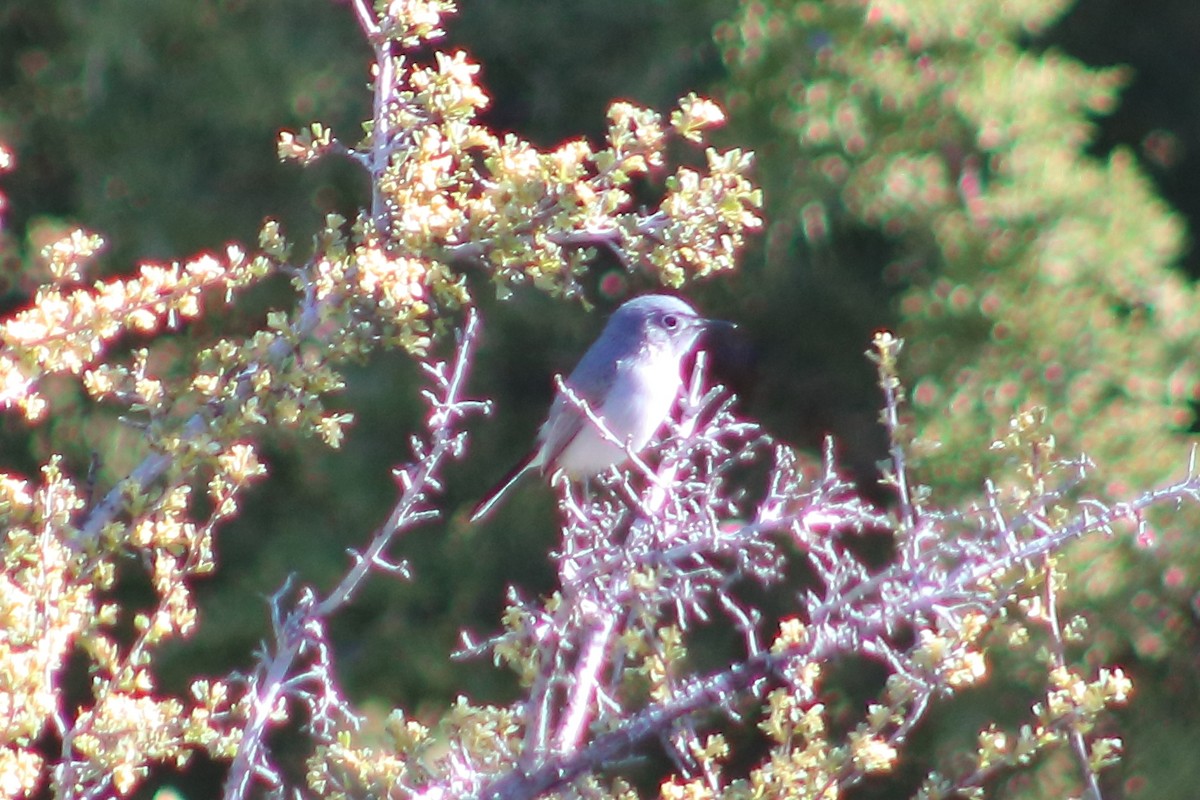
(565,419)
(564,422)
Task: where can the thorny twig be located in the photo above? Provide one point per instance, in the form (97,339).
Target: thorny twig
(678,563)
(299,633)
(845,625)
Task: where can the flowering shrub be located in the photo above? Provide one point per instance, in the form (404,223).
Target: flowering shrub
(686,538)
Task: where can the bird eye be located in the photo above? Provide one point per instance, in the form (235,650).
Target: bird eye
(670,322)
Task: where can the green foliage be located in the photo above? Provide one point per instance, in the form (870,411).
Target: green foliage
(145,121)
(929,122)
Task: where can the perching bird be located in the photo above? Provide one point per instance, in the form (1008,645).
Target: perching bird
(629,378)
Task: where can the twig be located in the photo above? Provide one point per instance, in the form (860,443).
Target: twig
(301,630)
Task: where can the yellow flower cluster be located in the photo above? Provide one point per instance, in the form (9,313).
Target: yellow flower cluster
(45,600)
(66,330)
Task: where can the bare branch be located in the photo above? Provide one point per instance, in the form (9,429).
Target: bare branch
(299,632)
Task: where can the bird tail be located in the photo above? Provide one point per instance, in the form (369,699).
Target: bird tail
(493,498)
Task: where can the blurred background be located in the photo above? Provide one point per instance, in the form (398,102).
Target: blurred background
(1012,186)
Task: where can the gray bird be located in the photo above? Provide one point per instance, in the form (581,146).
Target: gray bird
(629,378)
